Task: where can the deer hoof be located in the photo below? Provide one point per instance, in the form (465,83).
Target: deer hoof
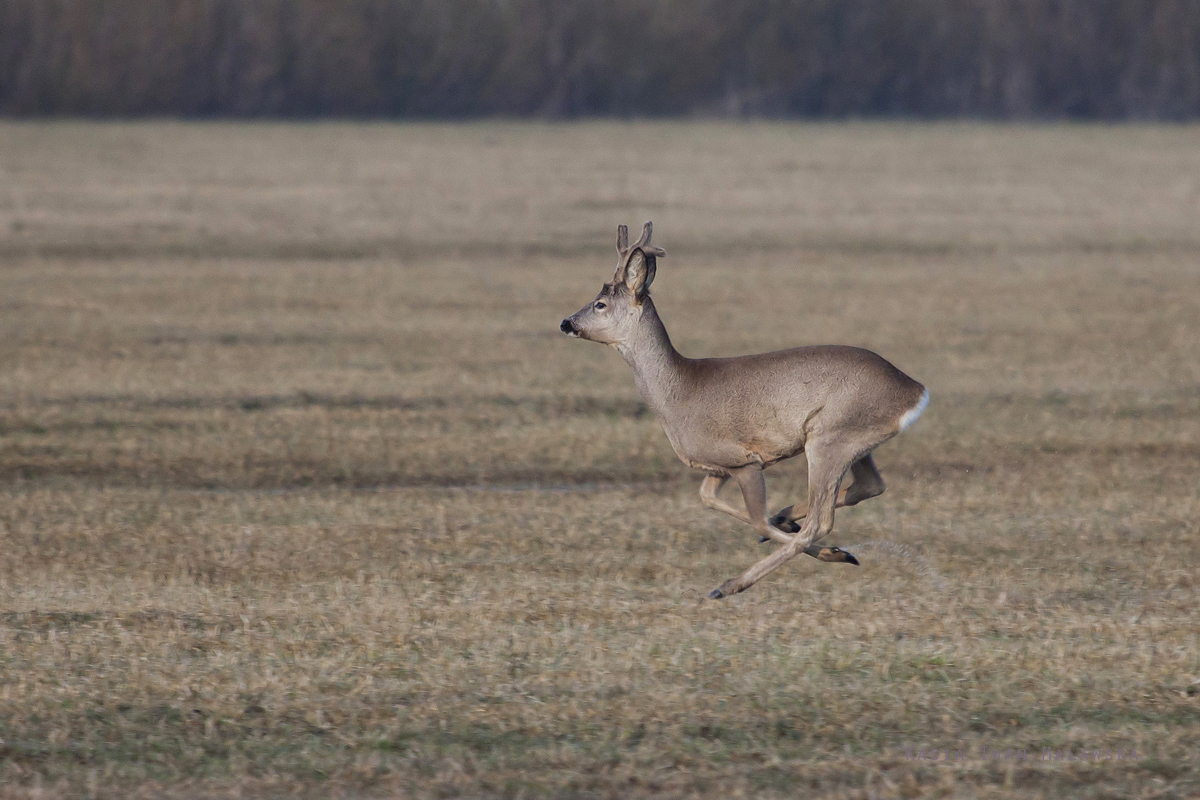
(727,589)
(836,555)
(784,524)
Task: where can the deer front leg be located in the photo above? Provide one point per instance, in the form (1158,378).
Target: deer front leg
(824,476)
(753,484)
(709,488)
(754,494)
(712,484)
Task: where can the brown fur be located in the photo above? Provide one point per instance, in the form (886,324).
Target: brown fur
(733,417)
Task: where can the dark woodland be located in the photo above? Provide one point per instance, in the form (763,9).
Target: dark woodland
(1021,59)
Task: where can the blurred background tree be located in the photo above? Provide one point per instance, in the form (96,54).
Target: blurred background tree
(1098,59)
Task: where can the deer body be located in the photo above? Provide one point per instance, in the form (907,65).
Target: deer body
(732,417)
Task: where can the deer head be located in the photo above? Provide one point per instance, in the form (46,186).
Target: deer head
(612,318)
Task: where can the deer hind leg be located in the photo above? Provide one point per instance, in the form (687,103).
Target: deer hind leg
(826,467)
(868,483)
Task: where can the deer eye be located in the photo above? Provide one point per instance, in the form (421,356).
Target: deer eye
(600,304)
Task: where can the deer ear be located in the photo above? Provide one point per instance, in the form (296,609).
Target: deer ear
(639,273)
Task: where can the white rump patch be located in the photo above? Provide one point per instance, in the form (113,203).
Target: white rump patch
(911,415)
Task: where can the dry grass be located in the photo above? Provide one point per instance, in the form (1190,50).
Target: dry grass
(303,492)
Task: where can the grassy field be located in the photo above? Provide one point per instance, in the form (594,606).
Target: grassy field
(303,493)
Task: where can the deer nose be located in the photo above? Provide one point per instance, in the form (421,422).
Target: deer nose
(567,326)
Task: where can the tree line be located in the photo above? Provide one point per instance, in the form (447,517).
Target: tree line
(1094,59)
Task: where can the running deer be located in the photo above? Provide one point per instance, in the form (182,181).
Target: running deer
(734,417)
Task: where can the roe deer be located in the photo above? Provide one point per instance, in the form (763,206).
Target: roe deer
(733,417)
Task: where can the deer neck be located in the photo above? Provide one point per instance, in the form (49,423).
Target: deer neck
(657,366)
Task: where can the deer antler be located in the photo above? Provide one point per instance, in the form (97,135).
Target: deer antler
(643,243)
(625,250)
(622,240)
